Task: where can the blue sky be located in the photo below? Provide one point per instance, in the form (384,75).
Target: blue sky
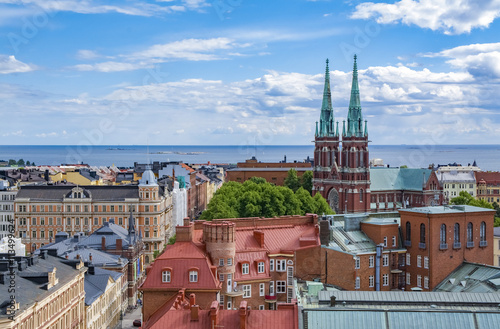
(238,72)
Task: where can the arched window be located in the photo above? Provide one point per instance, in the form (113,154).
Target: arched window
(442,234)
(361,195)
(408,232)
(456,233)
(469,232)
(482,232)
(422,235)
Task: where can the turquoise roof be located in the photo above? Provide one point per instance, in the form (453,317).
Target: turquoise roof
(326,121)
(409,179)
(354,116)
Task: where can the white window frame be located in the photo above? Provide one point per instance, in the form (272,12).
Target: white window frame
(193,276)
(426,262)
(280,265)
(245,268)
(394,241)
(357,283)
(262,289)
(271,288)
(385,260)
(385,241)
(371,281)
(229,262)
(221,277)
(221,261)
(357,263)
(260,267)
(261,308)
(221,300)
(419,280)
(385,280)
(166,276)
(247,290)
(419,261)
(408,258)
(408,278)
(426,282)
(271,265)
(371,261)
(280,287)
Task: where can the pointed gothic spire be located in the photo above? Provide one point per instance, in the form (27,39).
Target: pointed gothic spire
(326,117)
(354,117)
(131,225)
(316,134)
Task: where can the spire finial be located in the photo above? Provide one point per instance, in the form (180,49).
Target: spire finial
(354,117)
(326,117)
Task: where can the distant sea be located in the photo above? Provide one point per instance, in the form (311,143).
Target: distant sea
(487,157)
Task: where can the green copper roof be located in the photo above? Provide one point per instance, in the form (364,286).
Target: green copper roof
(326,122)
(355,117)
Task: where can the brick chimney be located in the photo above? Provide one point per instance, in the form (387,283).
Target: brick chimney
(192,300)
(243,314)
(214,313)
(195,312)
(259,237)
(119,244)
(103,243)
(185,233)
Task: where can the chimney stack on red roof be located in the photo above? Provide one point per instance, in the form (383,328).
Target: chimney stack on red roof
(214,313)
(194,312)
(185,233)
(244,312)
(259,236)
(186,221)
(192,300)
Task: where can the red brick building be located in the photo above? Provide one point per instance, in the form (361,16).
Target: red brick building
(272,172)
(439,239)
(252,260)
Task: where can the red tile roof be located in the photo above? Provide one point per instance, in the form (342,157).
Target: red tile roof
(491,177)
(181,257)
(252,258)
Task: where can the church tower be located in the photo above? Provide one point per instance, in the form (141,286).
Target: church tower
(355,167)
(326,149)
(342,176)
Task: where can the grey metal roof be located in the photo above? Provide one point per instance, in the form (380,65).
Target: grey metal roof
(447,209)
(496,231)
(95,284)
(470,277)
(350,241)
(456,177)
(99,258)
(388,179)
(99,193)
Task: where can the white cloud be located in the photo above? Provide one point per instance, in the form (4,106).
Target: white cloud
(9,64)
(13,133)
(45,135)
(112,66)
(449,16)
(84,54)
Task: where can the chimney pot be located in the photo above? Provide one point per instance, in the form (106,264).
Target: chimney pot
(195,312)
(192,299)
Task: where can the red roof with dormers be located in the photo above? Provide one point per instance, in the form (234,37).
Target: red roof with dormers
(181,257)
(252,258)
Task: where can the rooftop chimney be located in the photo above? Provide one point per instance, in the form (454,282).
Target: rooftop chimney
(103,243)
(192,299)
(324,231)
(194,312)
(259,236)
(243,315)
(214,313)
(119,244)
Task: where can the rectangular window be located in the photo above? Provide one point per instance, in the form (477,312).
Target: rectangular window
(371,281)
(42,221)
(271,265)
(262,289)
(86,208)
(419,261)
(33,234)
(245,268)
(229,304)
(165,276)
(229,262)
(260,267)
(408,277)
(146,221)
(408,259)
(104,208)
(426,262)
(357,283)
(33,221)
(68,208)
(96,208)
(356,262)
(385,260)
(385,279)
(58,221)
(221,277)
(51,221)
(426,282)
(112,208)
(42,234)
(271,288)
(261,307)
(419,280)
(193,276)
(221,300)
(281,265)
(96,221)
(280,287)
(371,262)
(147,209)
(77,208)
(247,291)
(394,241)
(385,241)
(221,261)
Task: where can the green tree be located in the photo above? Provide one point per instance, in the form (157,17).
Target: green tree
(172,239)
(28,163)
(20,162)
(465,198)
(307,181)
(292,180)
(12,162)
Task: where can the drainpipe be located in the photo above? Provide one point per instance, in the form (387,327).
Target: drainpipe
(377,266)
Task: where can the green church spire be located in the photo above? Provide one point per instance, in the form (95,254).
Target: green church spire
(326,127)
(355,117)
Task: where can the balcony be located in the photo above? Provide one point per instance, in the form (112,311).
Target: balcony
(443,246)
(483,244)
(470,244)
(270,299)
(407,243)
(421,245)
(457,245)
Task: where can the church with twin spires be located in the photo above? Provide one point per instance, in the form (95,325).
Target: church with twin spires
(342,172)
(341,161)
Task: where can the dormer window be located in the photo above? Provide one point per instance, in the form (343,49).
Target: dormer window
(193,276)
(260,267)
(166,276)
(245,268)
